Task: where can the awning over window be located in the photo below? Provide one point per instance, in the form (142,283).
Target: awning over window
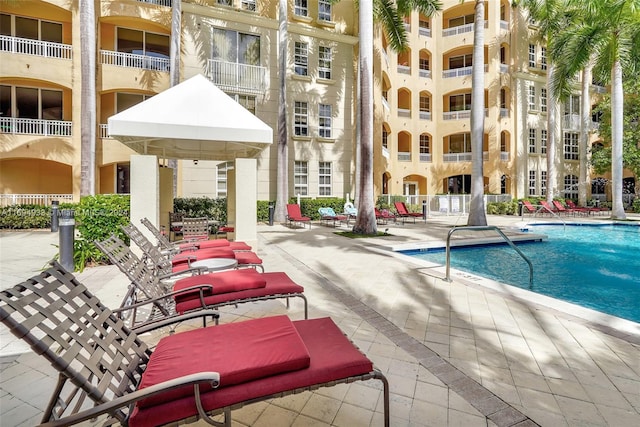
(192,120)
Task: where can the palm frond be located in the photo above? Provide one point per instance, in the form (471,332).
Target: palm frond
(385,12)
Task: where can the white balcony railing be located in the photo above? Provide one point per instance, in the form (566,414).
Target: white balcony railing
(425,73)
(425,157)
(33,199)
(504,68)
(231,76)
(35,47)
(404,156)
(460,72)
(104,131)
(426,32)
(157,2)
(404,69)
(504,156)
(504,112)
(404,112)
(385,152)
(504,25)
(456,157)
(571,122)
(18,126)
(425,115)
(385,104)
(456,115)
(132,60)
(460,29)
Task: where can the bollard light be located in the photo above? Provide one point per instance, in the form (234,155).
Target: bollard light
(54,215)
(67,225)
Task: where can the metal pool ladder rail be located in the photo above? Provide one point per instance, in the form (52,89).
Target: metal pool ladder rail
(484,228)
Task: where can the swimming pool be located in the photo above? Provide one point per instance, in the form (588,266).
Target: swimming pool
(595,266)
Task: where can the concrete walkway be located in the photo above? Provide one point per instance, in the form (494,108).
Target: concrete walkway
(469,352)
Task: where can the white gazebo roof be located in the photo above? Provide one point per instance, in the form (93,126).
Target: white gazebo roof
(192,120)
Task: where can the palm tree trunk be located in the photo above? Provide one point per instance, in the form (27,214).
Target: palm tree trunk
(585,124)
(282,181)
(365,219)
(174,72)
(617,110)
(477,214)
(552,115)
(88,98)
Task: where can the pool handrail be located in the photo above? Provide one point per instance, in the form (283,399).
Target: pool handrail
(484,228)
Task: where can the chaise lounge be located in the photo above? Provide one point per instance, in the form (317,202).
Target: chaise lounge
(294,215)
(106,369)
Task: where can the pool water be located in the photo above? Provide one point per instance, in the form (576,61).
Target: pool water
(595,266)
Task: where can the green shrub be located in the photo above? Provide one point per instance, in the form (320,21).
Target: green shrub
(309,207)
(502,208)
(636,205)
(195,207)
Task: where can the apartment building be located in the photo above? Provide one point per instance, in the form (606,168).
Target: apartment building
(422,96)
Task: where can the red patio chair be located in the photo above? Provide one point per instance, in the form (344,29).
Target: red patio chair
(404,213)
(294,215)
(102,362)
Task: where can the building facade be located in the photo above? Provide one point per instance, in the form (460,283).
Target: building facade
(422,96)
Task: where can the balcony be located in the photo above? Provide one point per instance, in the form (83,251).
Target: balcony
(504,25)
(425,115)
(404,156)
(504,68)
(425,157)
(460,29)
(132,60)
(456,115)
(385,104)
(404,112)
(423,31)
(166,3)
(460,72)
(504,112)
(35,47)
(425,73)
(239,78)
(571,122)
(18,126)
(404,69)
(504,156)
(104,131)
(456,157)
(385,152)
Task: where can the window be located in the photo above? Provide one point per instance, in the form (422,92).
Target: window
(543,58)
(543,99)
(460,143)
(226,2)
(532,183)
(425,103)
(425,144)
(301,58)
(543,183)
(503,98)
(385,138)
(324,10)
(127,100)
(301,8)
(461,61)
(532,55)
(531,97)
(31,103)
(301,119)
(142,43)
(324,178)
(571,149)
(29,28)
(424,64)
(324,62)
(572,105)
(570,187)
(247,101)
(324,121)
(123,178)
(543,141)
(301,178)
(460,102)
(222,170)
(232,46)
(532,140)
(249,5)
(462,20)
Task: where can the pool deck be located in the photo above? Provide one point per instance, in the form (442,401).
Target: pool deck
(468,352)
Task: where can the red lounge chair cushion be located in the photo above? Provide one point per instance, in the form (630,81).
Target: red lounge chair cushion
(223,282)
(239,352)
(222,252)
(277,283)
(219,243)
(333,357)
(247,258)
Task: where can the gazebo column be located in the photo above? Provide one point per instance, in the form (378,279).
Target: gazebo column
(242,200)
(145,192)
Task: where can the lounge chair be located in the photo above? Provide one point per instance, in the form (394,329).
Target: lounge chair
(526,205)
(383,216)
(195,229)
(560,209)
(294,215)
(548,208)
(583,209)
(107,370)
(329,216)
(175,224)
(403,212)
(220,289)
(167,262)
(183,246)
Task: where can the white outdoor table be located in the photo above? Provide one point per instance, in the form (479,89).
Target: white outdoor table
(216,264)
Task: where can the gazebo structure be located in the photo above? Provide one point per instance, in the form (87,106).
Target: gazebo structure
(197,121)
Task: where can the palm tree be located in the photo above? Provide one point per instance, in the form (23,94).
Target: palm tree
(390,16)
(87,98)
(608,33)
(282,185)
(550,16)
(477,214)
(585,125)
(174,71)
